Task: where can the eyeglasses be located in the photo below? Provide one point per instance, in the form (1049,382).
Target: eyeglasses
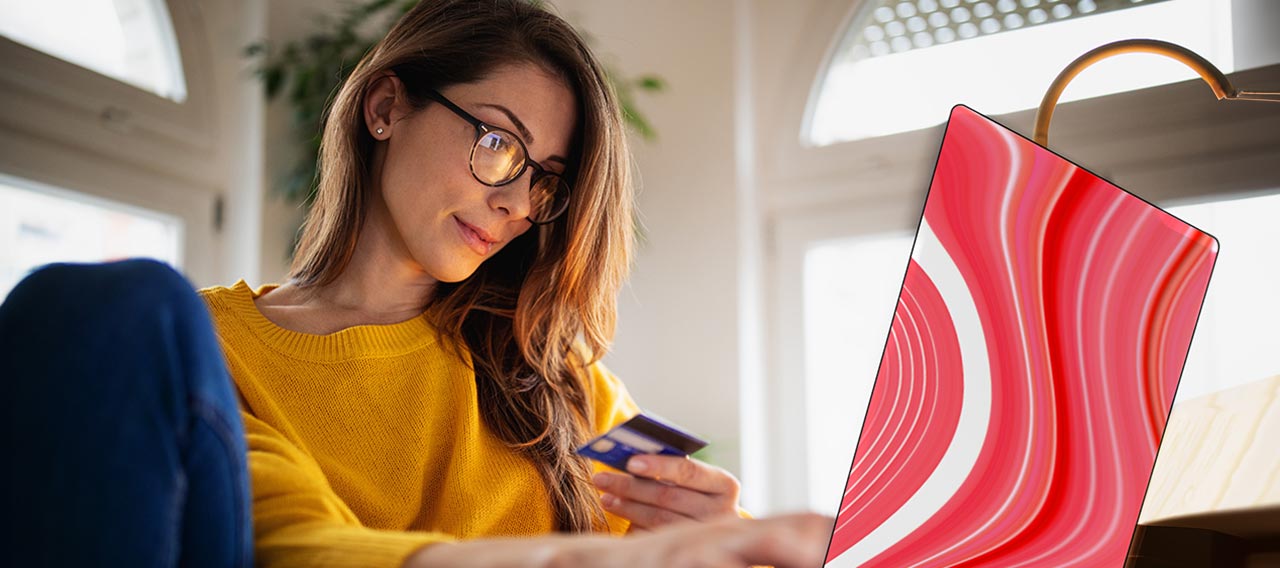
(499,157)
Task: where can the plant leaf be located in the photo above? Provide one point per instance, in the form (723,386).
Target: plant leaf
(272,79)
(652,83)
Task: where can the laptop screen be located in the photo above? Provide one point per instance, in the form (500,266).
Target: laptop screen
(1030,367)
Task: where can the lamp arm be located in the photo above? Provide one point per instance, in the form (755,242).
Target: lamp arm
(1216,79)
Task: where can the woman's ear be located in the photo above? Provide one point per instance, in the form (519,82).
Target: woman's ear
(381,103)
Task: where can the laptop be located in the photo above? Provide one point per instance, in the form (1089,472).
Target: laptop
(1030,367)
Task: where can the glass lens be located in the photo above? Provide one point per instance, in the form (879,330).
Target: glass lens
(497,157)
(548,198)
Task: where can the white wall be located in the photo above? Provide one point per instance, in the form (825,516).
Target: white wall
(287,20)
(1254,40)
(677,341)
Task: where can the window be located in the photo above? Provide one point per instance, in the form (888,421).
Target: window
(129,40)
(39,225)
(103,108)
(902,65)
(850,290)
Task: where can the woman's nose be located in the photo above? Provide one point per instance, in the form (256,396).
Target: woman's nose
(513,198)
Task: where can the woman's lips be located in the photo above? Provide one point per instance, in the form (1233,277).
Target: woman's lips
(472,238)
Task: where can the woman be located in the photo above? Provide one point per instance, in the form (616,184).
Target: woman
(414,393)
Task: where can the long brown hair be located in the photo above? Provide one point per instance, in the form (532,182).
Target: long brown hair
(535,314)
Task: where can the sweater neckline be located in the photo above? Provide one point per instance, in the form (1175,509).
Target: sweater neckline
(369,340)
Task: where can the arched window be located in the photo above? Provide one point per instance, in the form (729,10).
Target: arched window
(128,40)
(901,65)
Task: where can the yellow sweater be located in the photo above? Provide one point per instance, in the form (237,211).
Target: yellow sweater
(366,444)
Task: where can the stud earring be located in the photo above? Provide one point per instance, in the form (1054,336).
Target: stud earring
(379,131)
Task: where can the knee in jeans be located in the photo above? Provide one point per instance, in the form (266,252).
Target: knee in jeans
(115,289)
(155,278)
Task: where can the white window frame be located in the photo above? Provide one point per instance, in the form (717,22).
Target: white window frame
(66,126)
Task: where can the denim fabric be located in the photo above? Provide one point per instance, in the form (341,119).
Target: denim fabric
(125,441)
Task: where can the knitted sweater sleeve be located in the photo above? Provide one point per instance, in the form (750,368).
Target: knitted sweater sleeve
(300,521)
(611,402)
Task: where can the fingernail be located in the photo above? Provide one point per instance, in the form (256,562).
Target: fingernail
(601,479)
(635,465)
(608,500)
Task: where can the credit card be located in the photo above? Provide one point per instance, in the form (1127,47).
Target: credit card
(642,434)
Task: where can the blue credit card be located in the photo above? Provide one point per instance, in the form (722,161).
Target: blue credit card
(642,434)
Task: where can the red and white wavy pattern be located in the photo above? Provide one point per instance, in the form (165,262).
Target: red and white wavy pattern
(1037,344)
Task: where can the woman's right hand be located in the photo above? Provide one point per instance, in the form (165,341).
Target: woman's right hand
(786,541)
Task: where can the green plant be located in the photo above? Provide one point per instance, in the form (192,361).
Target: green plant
(309,72)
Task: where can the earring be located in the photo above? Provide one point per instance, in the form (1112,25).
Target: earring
(379,131)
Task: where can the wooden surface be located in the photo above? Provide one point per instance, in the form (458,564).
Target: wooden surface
(1219,464)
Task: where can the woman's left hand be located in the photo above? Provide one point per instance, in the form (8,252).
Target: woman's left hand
(668,489)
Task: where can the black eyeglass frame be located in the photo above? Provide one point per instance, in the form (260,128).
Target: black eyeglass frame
(483,128)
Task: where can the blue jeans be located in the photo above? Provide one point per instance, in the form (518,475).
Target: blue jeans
(126,445)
